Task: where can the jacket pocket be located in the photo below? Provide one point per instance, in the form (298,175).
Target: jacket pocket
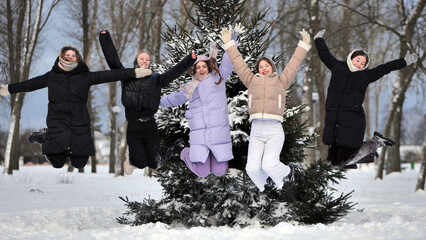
(249,101)
(279,101)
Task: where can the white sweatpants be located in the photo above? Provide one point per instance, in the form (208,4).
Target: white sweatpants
(263,159)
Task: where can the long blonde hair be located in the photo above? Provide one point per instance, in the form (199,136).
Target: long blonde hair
(135,63)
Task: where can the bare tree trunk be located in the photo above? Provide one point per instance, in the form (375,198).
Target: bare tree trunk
(89,24)
(23,59)
(399,90)
(70,167)
(422,173)
(319,77)
(308,81)
(157,35)
(122,151)
(183,21)
(406,75)
(367,111)
(394,160)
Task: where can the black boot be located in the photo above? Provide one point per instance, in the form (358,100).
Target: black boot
(174,151)
(38,137)
(382,141)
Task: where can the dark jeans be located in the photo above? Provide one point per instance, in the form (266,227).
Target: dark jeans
(144,143)
(58,160)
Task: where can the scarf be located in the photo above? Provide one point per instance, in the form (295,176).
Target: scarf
(66,65)
(192,85)
(351,66)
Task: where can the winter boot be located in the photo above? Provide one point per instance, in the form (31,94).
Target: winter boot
(38,137)
(289,179)
(128,167)
(269,186)
(174,151)
(382,141)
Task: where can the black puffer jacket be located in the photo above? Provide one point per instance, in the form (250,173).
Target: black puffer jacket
(345,117)
(141,97)
(68,119)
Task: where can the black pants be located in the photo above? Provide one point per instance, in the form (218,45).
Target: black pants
(144,143)
(58,160)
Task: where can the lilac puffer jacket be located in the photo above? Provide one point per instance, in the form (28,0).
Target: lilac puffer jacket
(207,116)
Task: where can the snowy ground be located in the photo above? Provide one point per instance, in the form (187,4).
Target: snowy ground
(40,202)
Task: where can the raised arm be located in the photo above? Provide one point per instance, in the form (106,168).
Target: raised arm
(323,52)
(226,66)
(177,70)
(109,50)
(174,99)
(384,69)
(240,67)
(290,70)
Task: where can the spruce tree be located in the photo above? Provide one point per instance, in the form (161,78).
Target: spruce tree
(233,200)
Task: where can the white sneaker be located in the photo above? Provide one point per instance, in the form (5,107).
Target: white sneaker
(128,168)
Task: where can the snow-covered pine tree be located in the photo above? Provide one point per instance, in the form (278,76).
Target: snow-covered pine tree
(233,200)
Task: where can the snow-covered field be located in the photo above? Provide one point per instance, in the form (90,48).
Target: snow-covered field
(40,202)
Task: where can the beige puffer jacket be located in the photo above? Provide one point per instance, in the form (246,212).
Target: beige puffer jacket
(266,94)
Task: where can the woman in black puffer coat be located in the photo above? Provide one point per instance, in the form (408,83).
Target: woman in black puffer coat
(141,99)
(345,121)
(68,120)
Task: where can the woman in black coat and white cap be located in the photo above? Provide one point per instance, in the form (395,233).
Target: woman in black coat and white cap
(345,121)
(68,121)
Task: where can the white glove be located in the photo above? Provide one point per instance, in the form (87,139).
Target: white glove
(225,35)
(319,34)
(142,72)
(306,38)
(237,30)
(410,58)
(4,91)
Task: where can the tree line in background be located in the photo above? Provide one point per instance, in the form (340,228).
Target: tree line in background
(386,29)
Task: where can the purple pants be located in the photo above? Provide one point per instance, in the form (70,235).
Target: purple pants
(202,169)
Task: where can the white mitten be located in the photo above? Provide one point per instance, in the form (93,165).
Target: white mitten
(237,30)
(225,35)
(4,91)
(142,72)
(319,34)
(306,38)
(410,58)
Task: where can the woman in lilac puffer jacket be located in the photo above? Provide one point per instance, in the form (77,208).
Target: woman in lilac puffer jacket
(210,137)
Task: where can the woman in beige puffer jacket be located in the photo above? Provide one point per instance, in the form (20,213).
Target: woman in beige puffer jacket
(266,104)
